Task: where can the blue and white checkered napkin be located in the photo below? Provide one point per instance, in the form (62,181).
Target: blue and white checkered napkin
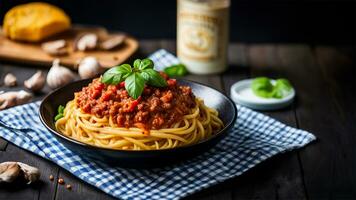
(254,138)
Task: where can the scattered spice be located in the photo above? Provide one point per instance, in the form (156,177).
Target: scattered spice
(61,181)
(51,177)
(69,187)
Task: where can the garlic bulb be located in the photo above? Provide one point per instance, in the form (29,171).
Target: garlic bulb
(59,75)
(10,80)
(31,174)
(14,98)
(10,171)
(89,67)
(36,82)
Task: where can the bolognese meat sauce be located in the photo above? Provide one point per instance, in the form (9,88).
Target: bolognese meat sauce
(156,108)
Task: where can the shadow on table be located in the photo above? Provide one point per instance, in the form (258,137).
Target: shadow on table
(19,185)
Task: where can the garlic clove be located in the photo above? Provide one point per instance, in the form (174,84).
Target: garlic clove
(10,80)
(56,47)
(89,67)
(36,82)
(31,174)
(14,98)
(112,42)
(87,41)
(58,75)
(9,171)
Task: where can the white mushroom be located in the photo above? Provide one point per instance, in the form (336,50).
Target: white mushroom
(87,41)
(36,82)
(89,67)
(14,98)
(10,171)
(56,47)
(112,42)
(10,80)
(58,75)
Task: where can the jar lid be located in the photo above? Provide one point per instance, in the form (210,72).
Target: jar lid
(241,93)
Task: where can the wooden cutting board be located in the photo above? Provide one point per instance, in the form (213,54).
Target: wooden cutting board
(32,53)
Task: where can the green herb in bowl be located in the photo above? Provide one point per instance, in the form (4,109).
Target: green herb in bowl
(264,87)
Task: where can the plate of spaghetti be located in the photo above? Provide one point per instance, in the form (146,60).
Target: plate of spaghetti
(137,117)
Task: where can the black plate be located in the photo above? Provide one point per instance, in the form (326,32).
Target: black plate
(139,159)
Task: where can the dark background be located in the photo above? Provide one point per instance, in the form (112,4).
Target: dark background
(308,21)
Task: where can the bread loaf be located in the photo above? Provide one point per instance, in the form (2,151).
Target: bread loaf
(33,22)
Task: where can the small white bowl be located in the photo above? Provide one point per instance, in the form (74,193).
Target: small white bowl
(242,94)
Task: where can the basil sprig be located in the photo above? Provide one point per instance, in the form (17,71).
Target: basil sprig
(135,77)
(60,113)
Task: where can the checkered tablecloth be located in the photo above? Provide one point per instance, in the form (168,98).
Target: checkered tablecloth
(254,138)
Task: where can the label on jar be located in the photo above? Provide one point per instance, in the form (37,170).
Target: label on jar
(201,32)
(198,36)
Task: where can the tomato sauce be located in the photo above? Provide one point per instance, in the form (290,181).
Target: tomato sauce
(156,108)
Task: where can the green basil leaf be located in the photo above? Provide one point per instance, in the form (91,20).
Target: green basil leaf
(137,63)
(146,64)
(117,74)
(125,68)
(60,109)
(176,70)
(145,75)
(154,78)
(262,87)
(58,116)
(134,85)
(282,88)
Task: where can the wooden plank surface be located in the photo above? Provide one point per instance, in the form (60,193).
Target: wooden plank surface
(329,165)
(32,52)
(324,78)
(284,179)
(44,189)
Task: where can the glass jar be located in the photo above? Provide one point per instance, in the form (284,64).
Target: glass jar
(203,35)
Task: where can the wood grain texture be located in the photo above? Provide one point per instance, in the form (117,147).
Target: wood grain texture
(283,180)
(79,190)
(329,164)
(33,53)
(324,78)
(44,189)
(287,177)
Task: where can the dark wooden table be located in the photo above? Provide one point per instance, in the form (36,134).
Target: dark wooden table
(324,78)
